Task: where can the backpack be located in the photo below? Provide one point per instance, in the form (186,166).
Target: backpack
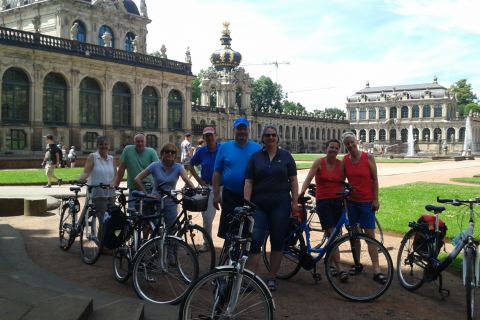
(113,228)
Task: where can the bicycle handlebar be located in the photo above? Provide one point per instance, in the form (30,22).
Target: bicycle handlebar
(458,202)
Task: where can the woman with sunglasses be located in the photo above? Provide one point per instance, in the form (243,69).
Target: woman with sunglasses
(165,174)
(271,183)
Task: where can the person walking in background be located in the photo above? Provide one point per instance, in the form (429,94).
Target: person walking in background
(99,169)
(361,172)
(186,149)
(271,183)
(165,173)
(72,156)
(64,156)
(329,178)
(205,158)
(230,165)
(135,159)
(52,162)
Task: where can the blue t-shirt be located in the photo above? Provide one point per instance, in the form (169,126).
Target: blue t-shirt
(165,180)
(206,159)
(232,162)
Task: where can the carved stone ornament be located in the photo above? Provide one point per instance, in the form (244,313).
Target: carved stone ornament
(143,8)
(74,31)
(188,56)
(135,43)
(36,24)
(107,38)
(163,51)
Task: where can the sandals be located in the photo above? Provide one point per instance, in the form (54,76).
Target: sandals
(272,284)
(380,278)
(355,269)
(333,271)
(343,276)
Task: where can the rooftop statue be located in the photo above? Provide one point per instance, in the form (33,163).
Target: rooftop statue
(143,8)
(74,31)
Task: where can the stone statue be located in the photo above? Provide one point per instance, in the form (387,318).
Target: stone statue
(143,8)
(36,24)
(107,39)
(74,31)
(188,56)
(163,51)
(3,4)
(135,44)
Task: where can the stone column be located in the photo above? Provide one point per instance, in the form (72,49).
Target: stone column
(36,109)
(187,107)
(164,109)
(136,111)
(409,112)
(106,118)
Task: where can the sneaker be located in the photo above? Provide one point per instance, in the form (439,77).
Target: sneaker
(47,186)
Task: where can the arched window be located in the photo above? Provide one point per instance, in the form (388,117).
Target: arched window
(461,134)
(280,131)
(129,37)
(323,134)
(150,108)
(371,135)
(317,135)
(90,106)
(81,31)
(381,113)
(372,113)
(300,133)
(382,135)
(437,134)
(450,134)
(203,123)
(294,133)
(152,141)
(353,114)
(363,113)
(213,97)
(328,134)
(259,131)
(90,140)
(404,112)
(437,111)
(415,112)
(306,133)
(393,112)
(54,99)
(287,132)
(312,134)
(334,133)
(121,105)
(415,134)
(213,123)
(393,135)
(404,135)
(426,111)
(175,110)
(238,98)
(363,135)
(426,135)
(15,96)
(101,32)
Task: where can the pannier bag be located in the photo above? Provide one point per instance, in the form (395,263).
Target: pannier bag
(113,228)
(195,200)
(429,221)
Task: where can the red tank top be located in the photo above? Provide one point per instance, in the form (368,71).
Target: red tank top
(359,177)
(329,183)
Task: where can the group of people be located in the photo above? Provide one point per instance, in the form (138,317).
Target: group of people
(243,169)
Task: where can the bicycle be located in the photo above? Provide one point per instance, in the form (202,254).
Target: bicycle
(418,261)
(164,266)
(339,251)
(231,291)
(87,225)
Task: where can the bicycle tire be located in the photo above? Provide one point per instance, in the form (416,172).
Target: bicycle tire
(317,233)
(158,280)
(378,231)
(122,260)
(66,227)
(90,243)
(254,299)
(290,265)
(470,281)
(196,237)
(361,286)
(411,260)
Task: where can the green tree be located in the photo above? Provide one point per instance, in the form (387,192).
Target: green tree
(465,96)
(335,113)
(196,93)
(266,95)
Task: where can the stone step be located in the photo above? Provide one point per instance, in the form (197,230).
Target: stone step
(125,309)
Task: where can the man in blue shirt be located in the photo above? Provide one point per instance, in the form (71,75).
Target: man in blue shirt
(230,166)
(205,157)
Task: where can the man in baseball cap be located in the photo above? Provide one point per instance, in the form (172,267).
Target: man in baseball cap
(240,121)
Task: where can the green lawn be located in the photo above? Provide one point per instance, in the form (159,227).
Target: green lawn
(473,180)
(313,157)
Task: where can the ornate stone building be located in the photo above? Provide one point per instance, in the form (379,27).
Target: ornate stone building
(381,117)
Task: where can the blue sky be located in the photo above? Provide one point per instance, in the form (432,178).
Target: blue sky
(333,46)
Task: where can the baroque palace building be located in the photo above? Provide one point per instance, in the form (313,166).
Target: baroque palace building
(381,117)
(79,68)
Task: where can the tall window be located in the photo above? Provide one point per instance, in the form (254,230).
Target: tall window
(371,135)
(54,99)
(426,111)
(317,136)
(294,133)
(90,106)
(150,108)
(363,135)
(381,113)
(450,134)
(363,114)
(306,133)
(152,141)
(372,113)
(393,135)
(415,112)
(404,135)
(175,110)
(382,135)
(287,132)
(17,139)
(101,32)
(121,105)
(238,98)
(393,113)
(280,131)
(437,111)
(213,97)
(461,134)
(90,140)
(129,41)
(426,135)
(404,111)
(437,134)
(81,31)
(353,114)
(15,96)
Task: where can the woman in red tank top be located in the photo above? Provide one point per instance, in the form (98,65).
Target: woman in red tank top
(361,171)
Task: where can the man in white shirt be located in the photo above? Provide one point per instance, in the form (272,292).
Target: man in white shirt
(187,151)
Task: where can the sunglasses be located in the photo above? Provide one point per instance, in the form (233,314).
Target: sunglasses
(170,151)
(270,135)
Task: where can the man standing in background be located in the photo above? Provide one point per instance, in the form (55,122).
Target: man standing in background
(52,162)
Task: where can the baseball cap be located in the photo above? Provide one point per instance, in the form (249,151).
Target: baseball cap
(240,121)
(207,130)
(187,134)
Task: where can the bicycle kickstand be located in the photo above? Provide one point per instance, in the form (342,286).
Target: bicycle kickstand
(316,276)
(443,292)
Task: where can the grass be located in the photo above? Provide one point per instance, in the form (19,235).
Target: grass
(313,157)
(473,180)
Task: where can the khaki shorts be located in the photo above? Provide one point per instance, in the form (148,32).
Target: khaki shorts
(49,168)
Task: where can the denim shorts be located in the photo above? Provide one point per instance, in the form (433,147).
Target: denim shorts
(361,213)
(329,211)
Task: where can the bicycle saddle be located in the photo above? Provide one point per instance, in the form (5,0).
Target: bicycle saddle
(138,194)
(75,188)
(435,209)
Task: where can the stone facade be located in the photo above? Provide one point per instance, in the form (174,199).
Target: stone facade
(381,117)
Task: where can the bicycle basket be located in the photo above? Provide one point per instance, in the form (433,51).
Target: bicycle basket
(195,199)
(113,228)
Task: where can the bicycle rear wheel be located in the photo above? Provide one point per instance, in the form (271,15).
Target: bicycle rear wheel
(412,259)
(90,244)
(201,243)
(210,295)
(354,254)
(290,265)
(163,270)
(66,228)
(378,231)
(470,281)
(122,260)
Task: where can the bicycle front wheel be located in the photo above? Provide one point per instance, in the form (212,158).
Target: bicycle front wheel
(213,296)
(66,228)
(290,265)
(90,244)
(359,268)
(412,259)
(163,270)
(470,280)
(122,259)
(201,243)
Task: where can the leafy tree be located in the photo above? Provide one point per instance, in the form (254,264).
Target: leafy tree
(157,54)
(267,95)
(465,96)
(335,113)
(196,94)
